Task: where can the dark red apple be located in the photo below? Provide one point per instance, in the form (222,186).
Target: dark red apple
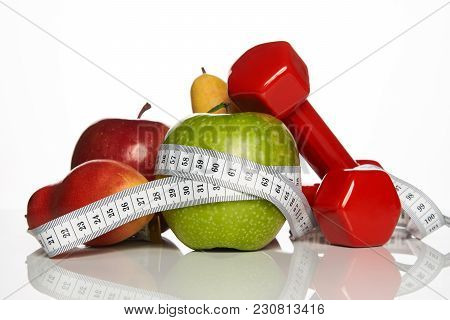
(134,142)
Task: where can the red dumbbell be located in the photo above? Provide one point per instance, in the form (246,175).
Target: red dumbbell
(310,191)
(354,207)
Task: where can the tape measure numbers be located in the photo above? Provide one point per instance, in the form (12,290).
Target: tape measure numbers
(420,215)
(198,176)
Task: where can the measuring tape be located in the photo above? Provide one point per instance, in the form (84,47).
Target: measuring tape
(420,215)
(198,176)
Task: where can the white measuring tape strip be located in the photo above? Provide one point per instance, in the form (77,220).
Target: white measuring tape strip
(420,215)
(198,176)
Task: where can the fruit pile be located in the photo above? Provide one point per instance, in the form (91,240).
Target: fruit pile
(262,114)
(114,154)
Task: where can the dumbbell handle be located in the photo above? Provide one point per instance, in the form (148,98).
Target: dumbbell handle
(315,141)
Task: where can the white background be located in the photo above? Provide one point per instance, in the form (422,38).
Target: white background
(392,107)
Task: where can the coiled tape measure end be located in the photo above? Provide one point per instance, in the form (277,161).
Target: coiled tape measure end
(420,215)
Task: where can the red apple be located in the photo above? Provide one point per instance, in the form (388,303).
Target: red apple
(133,142)
(87,183)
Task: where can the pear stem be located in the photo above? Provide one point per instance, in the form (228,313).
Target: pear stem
(220,106)
(203,70)
(146,107)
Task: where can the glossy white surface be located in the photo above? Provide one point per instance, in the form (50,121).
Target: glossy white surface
(308,269)
(386,100)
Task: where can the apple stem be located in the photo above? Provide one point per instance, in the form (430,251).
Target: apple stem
(203,70)
(146,107)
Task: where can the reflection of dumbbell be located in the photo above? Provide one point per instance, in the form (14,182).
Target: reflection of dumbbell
(344,273)
(354,207)
(368,273)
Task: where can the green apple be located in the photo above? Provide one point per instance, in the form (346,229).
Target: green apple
(243,225)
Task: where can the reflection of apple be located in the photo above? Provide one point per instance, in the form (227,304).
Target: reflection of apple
(87,183)
(111,264)
(133,142)
(243,225)
(132,264)
(225,275)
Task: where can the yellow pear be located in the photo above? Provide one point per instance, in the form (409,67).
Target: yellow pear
(208,91)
